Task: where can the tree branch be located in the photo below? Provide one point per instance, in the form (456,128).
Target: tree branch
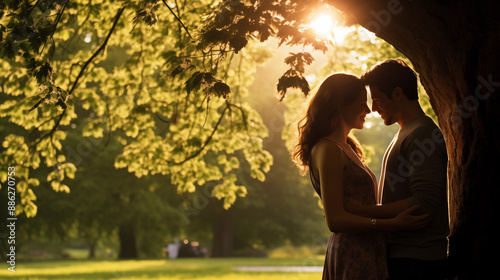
(207,141)
(59,15)
(51,132)
(178,19)
(99,50)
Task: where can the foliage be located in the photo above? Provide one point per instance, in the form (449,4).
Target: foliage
(294,77)
(231,25)
(132,71)
(101,200)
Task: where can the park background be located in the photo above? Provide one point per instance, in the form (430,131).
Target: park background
(103,213)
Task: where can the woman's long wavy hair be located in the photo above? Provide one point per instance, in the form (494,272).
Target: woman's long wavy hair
(322,115)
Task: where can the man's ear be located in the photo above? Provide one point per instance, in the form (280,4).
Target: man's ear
(397,93)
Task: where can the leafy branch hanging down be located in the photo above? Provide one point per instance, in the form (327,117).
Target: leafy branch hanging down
(208,83)
(294,77)
(203,80)
(233,24)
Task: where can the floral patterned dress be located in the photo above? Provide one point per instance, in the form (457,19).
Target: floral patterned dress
(355,256)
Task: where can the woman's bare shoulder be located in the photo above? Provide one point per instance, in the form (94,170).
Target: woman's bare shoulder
(326,148)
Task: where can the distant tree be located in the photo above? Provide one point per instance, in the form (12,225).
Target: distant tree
(281,210)
(141,212)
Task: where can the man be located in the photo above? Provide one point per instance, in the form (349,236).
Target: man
(414,170)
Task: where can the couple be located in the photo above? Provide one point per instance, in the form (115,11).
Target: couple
(396,229)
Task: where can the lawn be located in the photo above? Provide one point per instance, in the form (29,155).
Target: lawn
(199,269)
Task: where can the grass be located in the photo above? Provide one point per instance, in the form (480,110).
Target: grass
(198,269)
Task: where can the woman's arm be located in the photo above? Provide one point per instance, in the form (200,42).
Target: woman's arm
(388,210)
(329,160)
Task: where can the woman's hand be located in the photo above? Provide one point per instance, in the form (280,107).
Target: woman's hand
(406,221)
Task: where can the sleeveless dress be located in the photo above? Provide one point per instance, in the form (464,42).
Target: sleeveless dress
(355,256)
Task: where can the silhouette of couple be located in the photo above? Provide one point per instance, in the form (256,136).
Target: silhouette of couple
(396,228)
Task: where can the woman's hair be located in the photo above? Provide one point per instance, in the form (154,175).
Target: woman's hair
(322,115)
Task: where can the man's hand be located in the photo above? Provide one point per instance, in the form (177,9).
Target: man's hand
(406,221)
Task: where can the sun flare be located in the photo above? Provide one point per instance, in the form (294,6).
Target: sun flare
(326,26)
(323,25)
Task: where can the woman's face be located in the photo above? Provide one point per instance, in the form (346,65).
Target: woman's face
(354,114)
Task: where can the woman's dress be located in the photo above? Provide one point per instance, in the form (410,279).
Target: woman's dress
(353,256)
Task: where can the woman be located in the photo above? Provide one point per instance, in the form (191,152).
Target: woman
(356,248)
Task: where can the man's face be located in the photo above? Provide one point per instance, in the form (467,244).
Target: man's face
(383,105)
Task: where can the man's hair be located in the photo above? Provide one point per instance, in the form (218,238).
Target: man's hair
(392,73)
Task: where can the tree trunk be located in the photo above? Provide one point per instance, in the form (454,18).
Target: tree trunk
(453,45)
(128,247)
(92,245)
(222,226)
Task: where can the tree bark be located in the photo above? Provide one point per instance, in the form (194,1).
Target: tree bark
(453,45)
(92,245)
(128,246)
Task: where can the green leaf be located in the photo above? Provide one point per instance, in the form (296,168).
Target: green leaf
(147,15)
(295,81)
(194,82)
(238,43)
(221,89)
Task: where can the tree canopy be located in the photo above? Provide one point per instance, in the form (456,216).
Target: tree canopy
(112,69)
